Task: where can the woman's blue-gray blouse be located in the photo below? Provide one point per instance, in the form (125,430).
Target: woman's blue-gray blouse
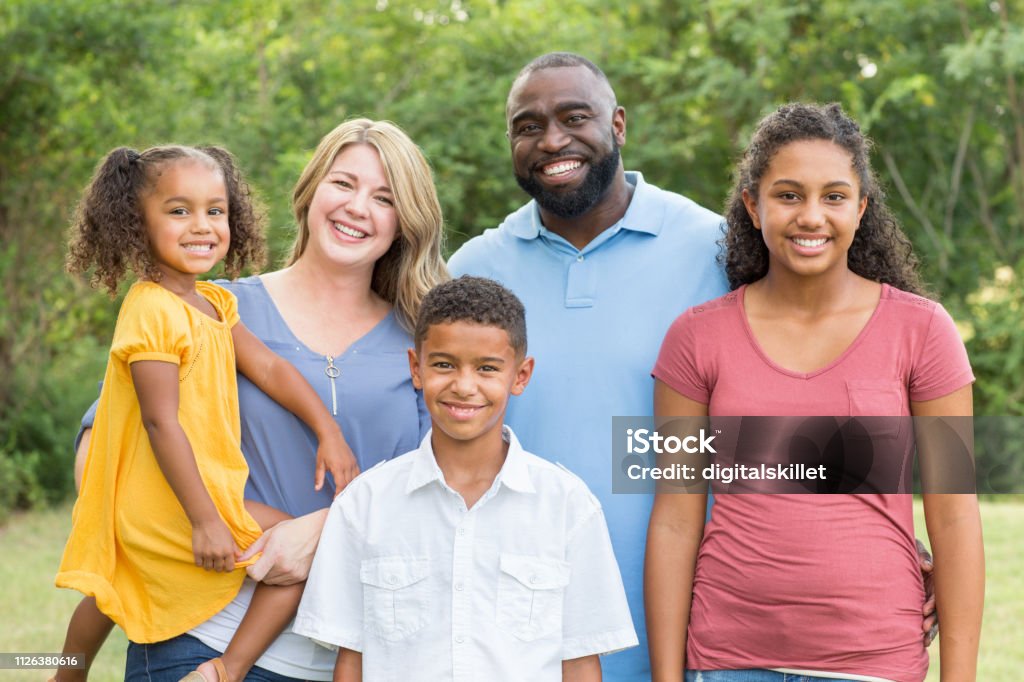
(378,410)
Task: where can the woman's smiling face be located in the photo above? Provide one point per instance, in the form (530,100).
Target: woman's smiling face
(352,217)
(808,207)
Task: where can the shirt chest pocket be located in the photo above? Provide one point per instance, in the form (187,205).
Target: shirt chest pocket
(878,398)
(530,595)
(396,595)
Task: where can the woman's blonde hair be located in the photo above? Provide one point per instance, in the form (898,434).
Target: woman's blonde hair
(413,265)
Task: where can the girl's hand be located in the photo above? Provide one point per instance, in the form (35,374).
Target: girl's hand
(213,546)
(334,455)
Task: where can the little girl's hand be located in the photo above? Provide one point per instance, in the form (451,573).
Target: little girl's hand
(336,456)
(213,546)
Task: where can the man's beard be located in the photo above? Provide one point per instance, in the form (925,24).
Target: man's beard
(575,203)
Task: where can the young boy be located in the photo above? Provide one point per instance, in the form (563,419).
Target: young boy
(469,558)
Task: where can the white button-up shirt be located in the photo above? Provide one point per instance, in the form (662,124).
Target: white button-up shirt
(429,590)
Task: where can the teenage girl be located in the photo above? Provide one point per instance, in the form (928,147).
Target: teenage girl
(825,318)
(161,518)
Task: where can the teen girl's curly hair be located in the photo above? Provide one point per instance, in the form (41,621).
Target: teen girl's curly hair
(880,250)
(108,233)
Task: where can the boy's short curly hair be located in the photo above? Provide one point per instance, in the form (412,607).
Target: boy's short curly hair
(108,233)
(473,299)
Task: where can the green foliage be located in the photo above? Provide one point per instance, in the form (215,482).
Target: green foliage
(995,342)
(935,84)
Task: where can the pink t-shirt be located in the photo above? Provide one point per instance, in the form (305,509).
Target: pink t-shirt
(827,583)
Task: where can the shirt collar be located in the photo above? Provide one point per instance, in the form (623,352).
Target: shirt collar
(637,218)
(514,473)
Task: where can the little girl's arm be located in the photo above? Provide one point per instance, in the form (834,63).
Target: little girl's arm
(277,378)
(156,385)
(954,529)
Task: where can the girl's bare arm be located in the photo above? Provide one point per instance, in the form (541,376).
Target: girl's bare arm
(276,377)
(954,529)
(156,385)
(673,538)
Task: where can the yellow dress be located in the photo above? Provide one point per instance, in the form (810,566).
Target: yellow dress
(131,543)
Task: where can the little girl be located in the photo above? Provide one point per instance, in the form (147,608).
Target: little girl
(825,319)
(161,503)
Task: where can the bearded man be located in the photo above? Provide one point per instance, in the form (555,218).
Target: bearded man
(603,262)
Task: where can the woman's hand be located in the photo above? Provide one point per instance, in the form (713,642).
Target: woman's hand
(288,550)
(213,546)
(334,455)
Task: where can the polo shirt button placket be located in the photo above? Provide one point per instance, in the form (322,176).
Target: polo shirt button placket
(580,282)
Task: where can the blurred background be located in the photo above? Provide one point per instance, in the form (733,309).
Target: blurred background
(938,85)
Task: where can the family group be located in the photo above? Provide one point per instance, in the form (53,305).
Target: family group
(326,471)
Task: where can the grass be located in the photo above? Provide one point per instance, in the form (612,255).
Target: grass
(35,613)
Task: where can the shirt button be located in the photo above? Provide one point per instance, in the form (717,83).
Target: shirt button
(458,587)
(459,639)
(579,258)
(392,580)
(533,579)
(461,531)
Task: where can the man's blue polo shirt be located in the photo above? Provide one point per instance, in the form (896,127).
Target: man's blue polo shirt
(595,320)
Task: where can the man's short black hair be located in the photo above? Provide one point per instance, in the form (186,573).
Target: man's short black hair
(473,299)
(554,60)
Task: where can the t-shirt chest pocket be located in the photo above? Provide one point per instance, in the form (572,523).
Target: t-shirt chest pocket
(396,595)
(530,595)
(878,398)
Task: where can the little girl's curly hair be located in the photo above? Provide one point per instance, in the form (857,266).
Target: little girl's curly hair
(108,233)
(880,250)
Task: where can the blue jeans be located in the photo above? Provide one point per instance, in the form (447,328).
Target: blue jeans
(758,675)
(171,660)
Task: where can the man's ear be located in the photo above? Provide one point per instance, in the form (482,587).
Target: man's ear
(523,374)
(619,125)
(414,369)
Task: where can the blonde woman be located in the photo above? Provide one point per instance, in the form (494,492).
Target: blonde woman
(367,249)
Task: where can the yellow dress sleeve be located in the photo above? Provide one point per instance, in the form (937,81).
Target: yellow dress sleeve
(222,299)
(151,326)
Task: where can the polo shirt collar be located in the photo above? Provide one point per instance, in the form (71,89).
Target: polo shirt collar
(638,216)
(514,473)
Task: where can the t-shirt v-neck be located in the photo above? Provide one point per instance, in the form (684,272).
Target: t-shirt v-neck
(759,349)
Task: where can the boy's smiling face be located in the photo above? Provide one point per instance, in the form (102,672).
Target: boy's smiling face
(467,372)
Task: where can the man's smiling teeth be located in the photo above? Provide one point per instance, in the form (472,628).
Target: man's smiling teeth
(560,168)
(810,243)
(350,231)
(199,248)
